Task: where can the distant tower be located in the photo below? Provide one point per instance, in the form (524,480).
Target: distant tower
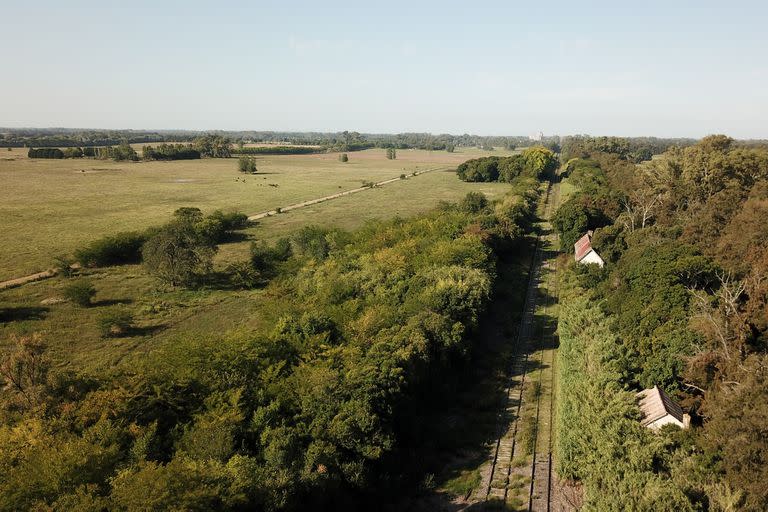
(536,137)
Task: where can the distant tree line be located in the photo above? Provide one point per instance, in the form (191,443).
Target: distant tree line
(338,141)
(278,150)
(66,137)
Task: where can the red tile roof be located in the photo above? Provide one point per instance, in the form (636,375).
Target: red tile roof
(582,247)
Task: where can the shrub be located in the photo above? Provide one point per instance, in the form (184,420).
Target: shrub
(246,164)
(391,153)
(118,153)
(402,176)
(45,153)
(116,322)
(217,226)
(264,258)
(189,214)
(73,153)
(122,248)
(231,221)
(80,292)
(170,152)
(63,265)
(343,157)
(244,275)
(311,242)
(473,202)
(178,253)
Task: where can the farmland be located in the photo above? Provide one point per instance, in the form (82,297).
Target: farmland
(52,207)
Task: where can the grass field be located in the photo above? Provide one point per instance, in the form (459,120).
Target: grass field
(51,207)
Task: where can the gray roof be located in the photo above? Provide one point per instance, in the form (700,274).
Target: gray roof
(655,404)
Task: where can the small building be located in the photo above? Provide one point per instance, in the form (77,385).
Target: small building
(659,409)
(584,253)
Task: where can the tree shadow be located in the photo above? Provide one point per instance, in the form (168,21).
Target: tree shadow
(135,331)
(110,302)
(234,237)
(146,330)
(22,313)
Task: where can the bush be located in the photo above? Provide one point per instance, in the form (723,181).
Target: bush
(402,176)
(119,249)
(474,202)
(114,323)
(391,153)
(63,265)
(45,153)
(178,253)
(73,153)
(311,242)
(170,152)
(343,157)
(246,164)
(80,292)
(244,275)
(118,153)
(231,221)
(216,227)
(264,258)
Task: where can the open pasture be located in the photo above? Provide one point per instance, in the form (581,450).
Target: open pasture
(165,316)
(51,207)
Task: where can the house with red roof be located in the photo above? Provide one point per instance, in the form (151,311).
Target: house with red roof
(584,253)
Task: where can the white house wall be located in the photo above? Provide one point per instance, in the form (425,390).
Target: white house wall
(592,257)
(665,420)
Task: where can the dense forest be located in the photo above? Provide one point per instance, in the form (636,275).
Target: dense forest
(682,303)
(324,406)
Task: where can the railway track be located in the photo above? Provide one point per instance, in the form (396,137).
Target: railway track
(521,463)
(541,496)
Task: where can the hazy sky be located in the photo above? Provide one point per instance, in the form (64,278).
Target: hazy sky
(624,68)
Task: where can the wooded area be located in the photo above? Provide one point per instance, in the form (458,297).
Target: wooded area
(683,304)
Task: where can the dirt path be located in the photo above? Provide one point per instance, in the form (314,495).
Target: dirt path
(12,283)
(519,473)
(337,195)
(18,281)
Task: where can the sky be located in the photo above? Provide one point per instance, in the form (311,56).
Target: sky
(668,69)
